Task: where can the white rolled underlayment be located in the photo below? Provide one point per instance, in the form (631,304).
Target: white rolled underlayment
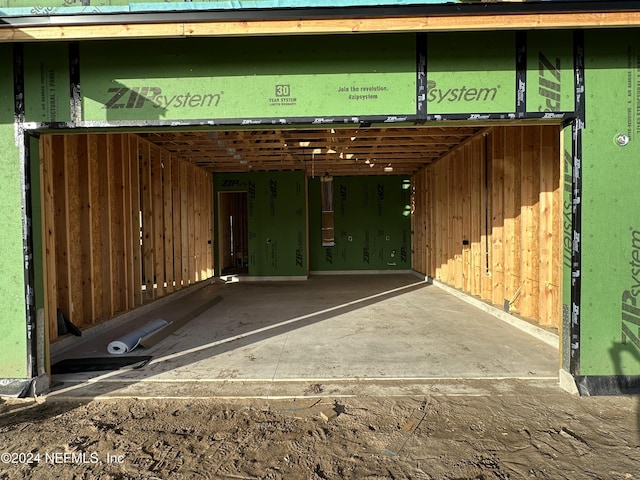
(131,340)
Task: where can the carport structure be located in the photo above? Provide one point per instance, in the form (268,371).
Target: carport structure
(457,156)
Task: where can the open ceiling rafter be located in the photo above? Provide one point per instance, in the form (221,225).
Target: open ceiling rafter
(336,151)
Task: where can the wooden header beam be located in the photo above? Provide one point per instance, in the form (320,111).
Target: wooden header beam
(40,32)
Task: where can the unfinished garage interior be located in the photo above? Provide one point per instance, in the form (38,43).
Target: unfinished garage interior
(370,163)
(135,217)
(130,217)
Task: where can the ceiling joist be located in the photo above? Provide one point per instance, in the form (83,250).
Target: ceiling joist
(345,151)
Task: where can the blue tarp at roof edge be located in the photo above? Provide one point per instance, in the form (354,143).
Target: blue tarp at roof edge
(15,8)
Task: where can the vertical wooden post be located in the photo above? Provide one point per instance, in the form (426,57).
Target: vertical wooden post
(477,188)
(72,164)
(136,224)
(184,216)
(158,220)
(61,223)
(49,233)
(117,220)
(177,222)
(496,149)
(168,220)
(191,196)
(530,179)
(547,288)
(148,237)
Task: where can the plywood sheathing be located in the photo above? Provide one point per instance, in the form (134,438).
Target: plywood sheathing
(339,151)
(487,220)
(117,209)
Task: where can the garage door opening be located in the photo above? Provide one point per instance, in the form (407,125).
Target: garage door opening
(130,218)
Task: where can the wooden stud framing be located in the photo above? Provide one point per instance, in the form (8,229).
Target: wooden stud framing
(116,207)
(75,238)
(168,220)
(184,215)
(116,212)
(507,206)
(61,226)
(135,219)
(477,166)
(191,196)
(496,147)
(158,221)
(49,234)
(177,222)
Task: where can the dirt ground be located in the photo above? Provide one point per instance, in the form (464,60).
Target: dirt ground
(545,436)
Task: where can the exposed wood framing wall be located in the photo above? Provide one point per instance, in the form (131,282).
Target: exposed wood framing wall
(125,222)
(487,220)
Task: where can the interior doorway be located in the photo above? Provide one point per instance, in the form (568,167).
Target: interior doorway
(233,233)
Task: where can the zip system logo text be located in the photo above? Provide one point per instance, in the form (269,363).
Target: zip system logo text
(549,83)
(139,97)
(630,308)
(464,93)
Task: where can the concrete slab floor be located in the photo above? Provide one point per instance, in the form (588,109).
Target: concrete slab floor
(287,338)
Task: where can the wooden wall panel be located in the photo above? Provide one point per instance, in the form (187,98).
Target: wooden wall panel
(501,193)
(119,215)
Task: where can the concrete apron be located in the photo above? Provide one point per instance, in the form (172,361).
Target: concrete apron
(342,335)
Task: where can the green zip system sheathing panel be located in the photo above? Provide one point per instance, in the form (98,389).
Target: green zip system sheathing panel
(248,78)
(13,354)
(276,215)
(610,310)
(46,73)
(467,72)
(372,224)
(550,86)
